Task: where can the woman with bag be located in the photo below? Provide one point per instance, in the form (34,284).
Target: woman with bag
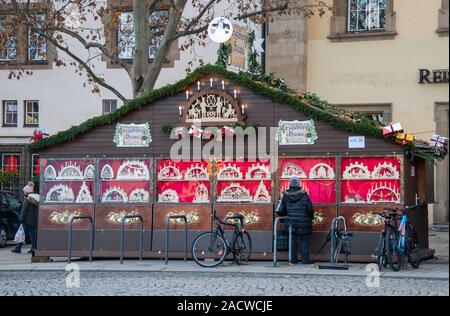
(28,217)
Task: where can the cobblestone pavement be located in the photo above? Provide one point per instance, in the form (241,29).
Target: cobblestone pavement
(230,284)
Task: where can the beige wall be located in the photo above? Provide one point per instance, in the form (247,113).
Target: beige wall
(286,48)
(383,71)
(386,71)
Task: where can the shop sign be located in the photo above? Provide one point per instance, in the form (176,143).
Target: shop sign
(238,45)
(296,133)
(132,135)
(356,142)
(433,76)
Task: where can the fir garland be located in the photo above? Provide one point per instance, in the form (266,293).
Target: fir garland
(309,105)
(6,176)
(223,55)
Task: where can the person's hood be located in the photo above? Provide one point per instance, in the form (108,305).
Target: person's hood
(33,198)
(294,194)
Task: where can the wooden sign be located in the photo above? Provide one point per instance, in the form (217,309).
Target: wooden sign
(296,133)
(132,135)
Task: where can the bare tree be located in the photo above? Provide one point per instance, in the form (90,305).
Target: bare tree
(166,28)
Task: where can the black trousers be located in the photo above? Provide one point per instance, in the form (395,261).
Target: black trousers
(305,242)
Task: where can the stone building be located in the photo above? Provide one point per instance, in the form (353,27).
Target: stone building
(386,58)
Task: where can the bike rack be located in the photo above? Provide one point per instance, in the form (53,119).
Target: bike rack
(166,234)
(122,236)
(334,265)
(334,224)
(91,236)
(275,235)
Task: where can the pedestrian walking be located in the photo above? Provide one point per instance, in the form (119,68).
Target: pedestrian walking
(297,205)
(28,216)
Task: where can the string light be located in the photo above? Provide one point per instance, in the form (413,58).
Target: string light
(211,82)
(223,85)
(198,85)
(235,93)
(187,95)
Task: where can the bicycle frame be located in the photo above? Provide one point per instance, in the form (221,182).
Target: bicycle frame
(402,231)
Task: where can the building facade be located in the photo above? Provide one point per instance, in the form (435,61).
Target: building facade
(385,58)
(55,98)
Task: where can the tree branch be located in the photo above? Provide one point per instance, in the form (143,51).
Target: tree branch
(98,80)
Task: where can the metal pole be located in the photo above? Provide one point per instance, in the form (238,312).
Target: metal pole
(69,256)
(141,243)
(333,240)
(122,233)
(185,238)
(166,261)
(91,239)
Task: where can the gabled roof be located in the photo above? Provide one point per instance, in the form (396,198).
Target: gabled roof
(308,104)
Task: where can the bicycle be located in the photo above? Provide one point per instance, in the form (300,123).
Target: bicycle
(397,242)
(210,249)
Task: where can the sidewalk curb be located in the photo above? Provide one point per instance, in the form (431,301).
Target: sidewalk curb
(163,270)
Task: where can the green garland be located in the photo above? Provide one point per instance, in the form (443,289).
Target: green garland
(253,66)
(223,55)
(6,176)
(309,105)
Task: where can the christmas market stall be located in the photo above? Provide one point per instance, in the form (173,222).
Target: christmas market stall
(123,169)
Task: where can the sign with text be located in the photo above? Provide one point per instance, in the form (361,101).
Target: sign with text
(238,44)
(433,76)
(296,133)
(132,135)
(356,142)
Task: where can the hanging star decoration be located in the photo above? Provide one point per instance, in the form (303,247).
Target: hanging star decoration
(258,46)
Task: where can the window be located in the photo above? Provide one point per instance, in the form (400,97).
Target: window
(109,106)
(10,113)
(11,162)
(7,38)
(379,117)
(443,19)
(35,165)
(377,112)
(366,15)
(37,45)
(126,36)
(31,113)
(126,39)
(356,20)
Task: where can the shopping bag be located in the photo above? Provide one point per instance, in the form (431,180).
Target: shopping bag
(20,235)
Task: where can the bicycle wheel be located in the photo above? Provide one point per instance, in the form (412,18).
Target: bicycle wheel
(395,258)
(242,248)
(381,252)
(413,247)
(209,250)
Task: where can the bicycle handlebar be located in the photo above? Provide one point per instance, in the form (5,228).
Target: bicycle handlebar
(395,210)
(223,222)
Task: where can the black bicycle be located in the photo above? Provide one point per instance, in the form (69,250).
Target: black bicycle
(397,244)
(210,249)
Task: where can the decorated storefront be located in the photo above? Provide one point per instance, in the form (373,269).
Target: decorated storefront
(128,163)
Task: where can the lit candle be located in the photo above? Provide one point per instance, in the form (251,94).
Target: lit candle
(211,82)
(223,85)
(235,93)
(243,108)
(198,85)
(187,95)
(179,110)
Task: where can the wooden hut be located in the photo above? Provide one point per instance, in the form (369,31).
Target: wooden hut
(120,164)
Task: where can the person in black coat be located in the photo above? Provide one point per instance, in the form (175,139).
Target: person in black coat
(296,204)
(28,216)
